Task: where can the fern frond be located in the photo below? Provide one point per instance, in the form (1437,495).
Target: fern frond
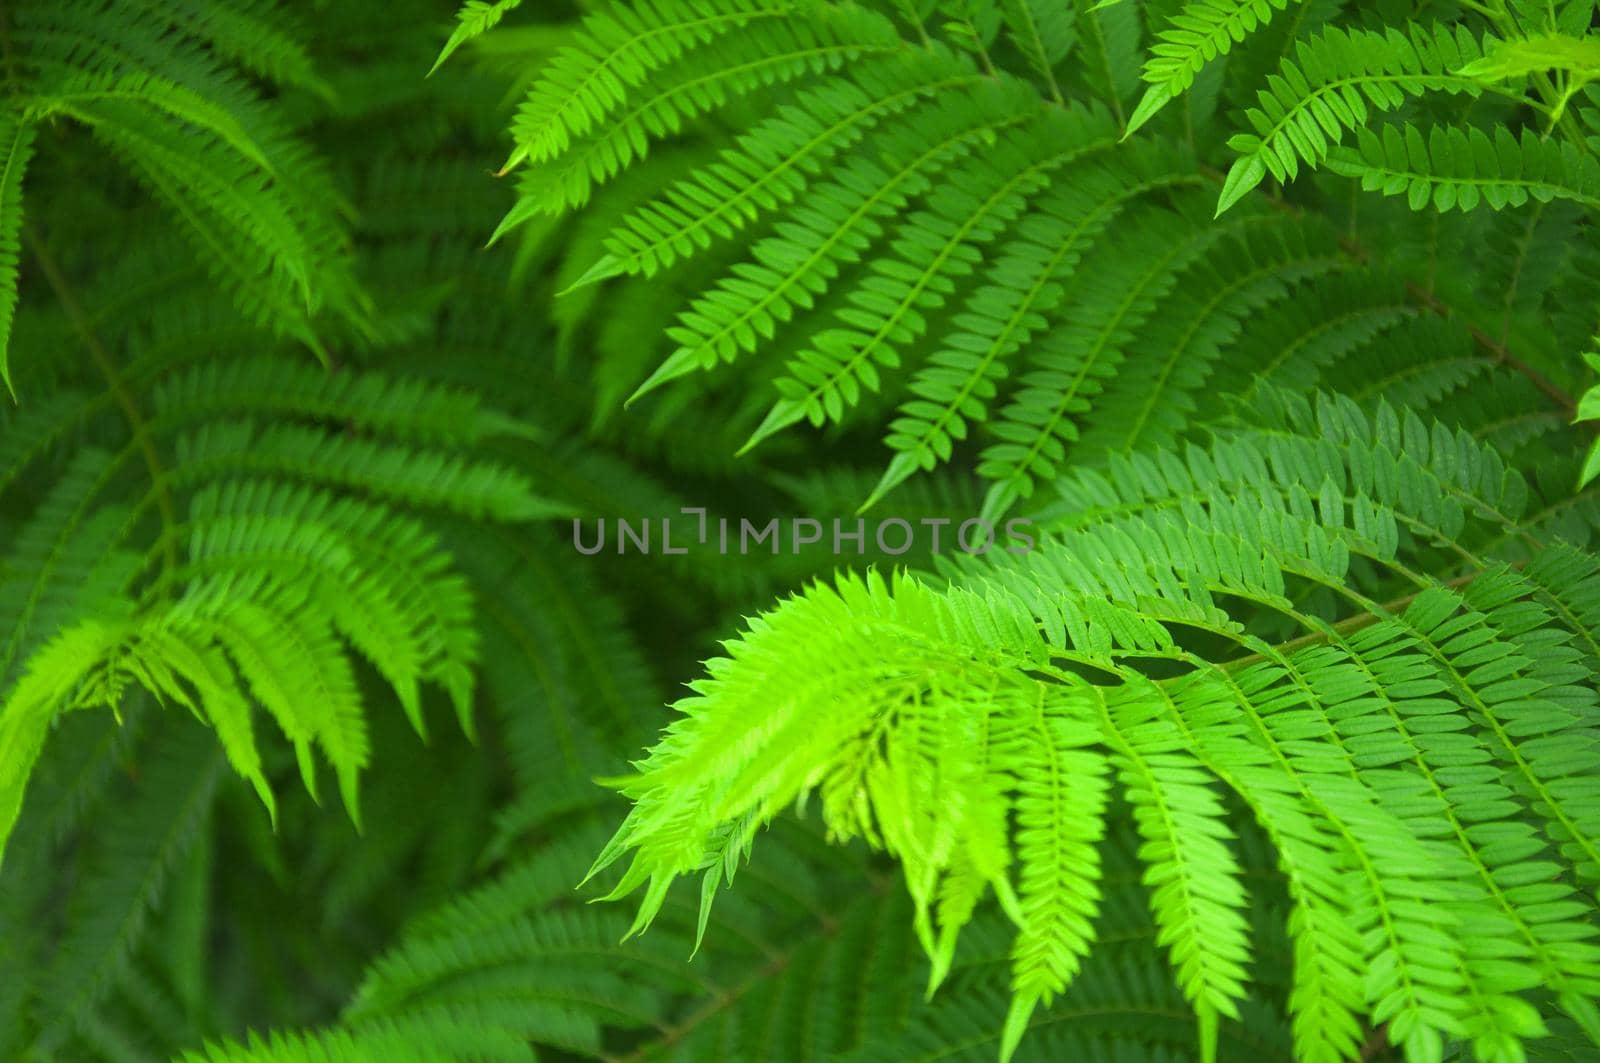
(260,213)
(765,55)
(253,34)
(998,321)
(836,225)
(1578,57)
(1198,892)
(1296,342)
(1113,296)
(76,95)
(475,18)
(370,401)
(49,681)
(1149,404)
(1445,363)
(399,601)
(1108,50)
(775,162)
(16,140)
(277,576)
(1202,32)
(1450,168)
(57,556)
(1059,808)
(384,469)
(617,51)
(421,1041)
(138,850)
(1332,85)
(930,250)
(1044,33)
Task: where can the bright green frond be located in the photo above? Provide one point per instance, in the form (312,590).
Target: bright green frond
(1333,84)
(1202,32)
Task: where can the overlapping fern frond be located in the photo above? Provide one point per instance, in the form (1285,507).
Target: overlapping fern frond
(786,968)
(159,88)
(909,229)
(1279,743)
(267,543)
(229,536)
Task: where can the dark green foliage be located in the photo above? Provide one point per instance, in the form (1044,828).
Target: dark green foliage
(1269,321)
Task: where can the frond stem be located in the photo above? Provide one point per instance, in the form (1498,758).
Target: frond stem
(1500,351)
(119,390)
(1348,625)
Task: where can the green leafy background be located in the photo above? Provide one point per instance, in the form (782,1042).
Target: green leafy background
(1275,318)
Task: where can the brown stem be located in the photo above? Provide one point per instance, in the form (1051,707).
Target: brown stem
(1498,349)
(1377,1044)
(108,368)
(1426,298)
(1349,623)
(1488,343)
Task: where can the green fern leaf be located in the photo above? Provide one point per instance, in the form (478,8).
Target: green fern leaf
(842,219)
(1449,168)
(618,50)
(1000,319)
(1202,32)
(1044,33)
(475,18)
(1378,915)
(930,250)
(775,162)
(766,55)
(16,136)
(1331,86)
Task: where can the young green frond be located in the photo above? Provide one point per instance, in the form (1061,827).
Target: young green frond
(1301,729)
(1333,84)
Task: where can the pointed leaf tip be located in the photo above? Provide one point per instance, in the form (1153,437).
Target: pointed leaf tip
(1154,99)
(680,363)
(708,894)
(1246,173)
(901,468)
(264,792)
(1016,1025)
(1591,465)
(607,267)
(783,414)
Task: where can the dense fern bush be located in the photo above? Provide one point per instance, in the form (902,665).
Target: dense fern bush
(222,529)
(162,93)
(1273,323)
(1084,249)
(976,213)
